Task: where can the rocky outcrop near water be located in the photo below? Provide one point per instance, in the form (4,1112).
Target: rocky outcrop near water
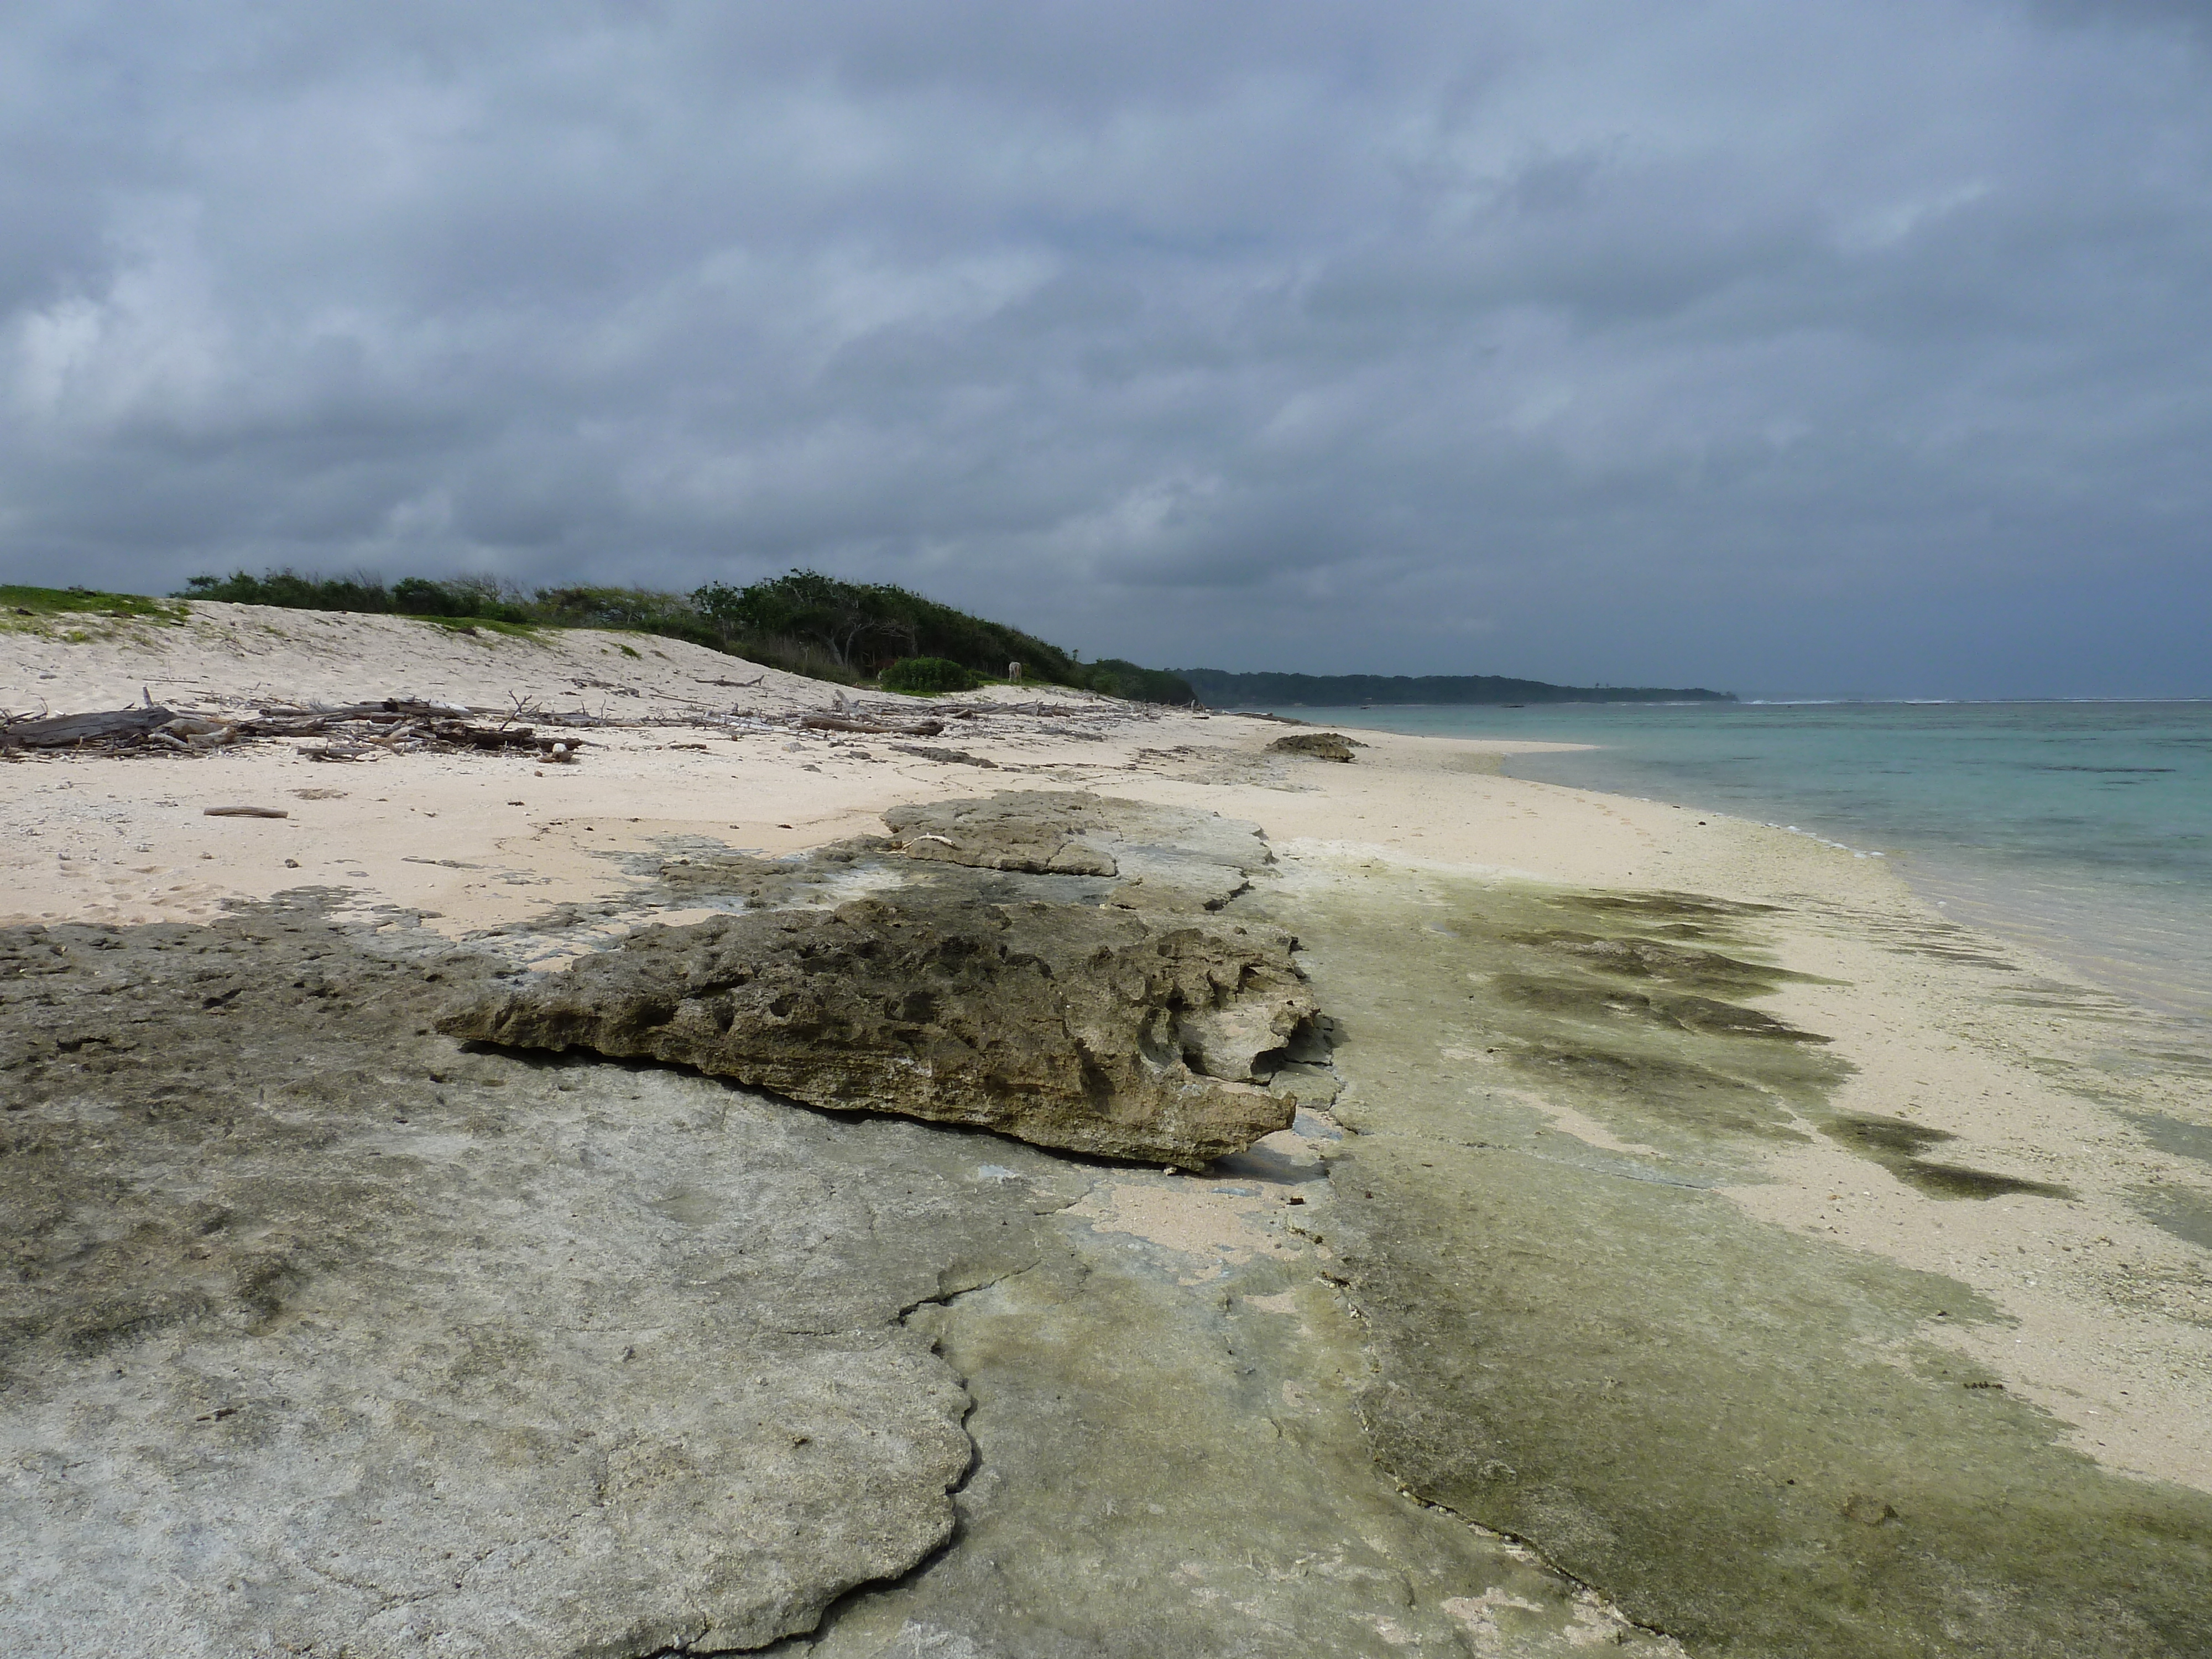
(1042,964)
(1167,858)
(326,1333)
(1066,1025)
(1163,857)
(1320,745)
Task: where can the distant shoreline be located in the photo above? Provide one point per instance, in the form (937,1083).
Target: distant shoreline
(1548,702)
(1221,689)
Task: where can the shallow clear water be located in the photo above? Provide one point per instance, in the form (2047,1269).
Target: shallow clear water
(2084,827)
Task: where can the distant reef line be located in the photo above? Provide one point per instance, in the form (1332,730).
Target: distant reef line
(1221,689)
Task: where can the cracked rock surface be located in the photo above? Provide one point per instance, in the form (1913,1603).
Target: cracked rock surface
(1171,1463)
(1082,1028)
(321,1336)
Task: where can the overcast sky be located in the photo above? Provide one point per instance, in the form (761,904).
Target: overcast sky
(1837,347)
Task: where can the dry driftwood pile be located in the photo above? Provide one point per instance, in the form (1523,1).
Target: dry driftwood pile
(356,732)
(365,731)
(398,726)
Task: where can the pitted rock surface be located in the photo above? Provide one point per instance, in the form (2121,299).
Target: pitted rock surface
(764,883)
(1042,833)
(1084,1028)
(1321,745)
(1167,858)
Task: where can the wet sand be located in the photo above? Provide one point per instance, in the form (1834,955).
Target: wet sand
(1799,1270)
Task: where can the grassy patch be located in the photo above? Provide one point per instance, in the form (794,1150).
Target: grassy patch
(30,607)
(481,625)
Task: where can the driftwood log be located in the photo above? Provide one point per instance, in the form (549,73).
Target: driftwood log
(873,728)
(65,731)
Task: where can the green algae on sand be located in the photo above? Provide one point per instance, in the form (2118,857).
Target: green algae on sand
(1731,1430)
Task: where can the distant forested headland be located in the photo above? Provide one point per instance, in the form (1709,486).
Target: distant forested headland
(1225,691)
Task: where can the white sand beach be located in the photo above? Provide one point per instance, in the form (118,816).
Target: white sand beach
(2082,1307)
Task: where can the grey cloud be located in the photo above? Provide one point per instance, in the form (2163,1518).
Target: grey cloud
(1722,343)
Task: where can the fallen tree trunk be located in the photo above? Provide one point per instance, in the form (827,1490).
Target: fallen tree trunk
(872,728)
(62,731)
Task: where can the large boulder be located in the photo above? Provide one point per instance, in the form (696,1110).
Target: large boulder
(1075,1026)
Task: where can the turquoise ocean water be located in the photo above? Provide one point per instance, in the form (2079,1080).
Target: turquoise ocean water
(2083,827)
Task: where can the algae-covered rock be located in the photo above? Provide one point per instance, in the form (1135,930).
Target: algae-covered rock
(1738,1433)
(1088,1028)
(1321,745)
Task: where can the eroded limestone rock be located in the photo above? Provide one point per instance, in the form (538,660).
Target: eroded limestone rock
(320,1337)
(1041,833)
(1073,1026)
(764,884)
(1321,745)
(1166,858)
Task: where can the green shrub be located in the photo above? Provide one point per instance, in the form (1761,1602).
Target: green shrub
(360,592)
(481,598)
(868,626)
(926,676)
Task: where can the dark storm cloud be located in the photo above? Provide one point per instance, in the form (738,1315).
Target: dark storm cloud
(1821,349)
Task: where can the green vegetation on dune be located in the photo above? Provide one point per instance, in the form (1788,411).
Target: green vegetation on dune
(866,625)
(33,605)
(484,625)
(802,622)
(466,597)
